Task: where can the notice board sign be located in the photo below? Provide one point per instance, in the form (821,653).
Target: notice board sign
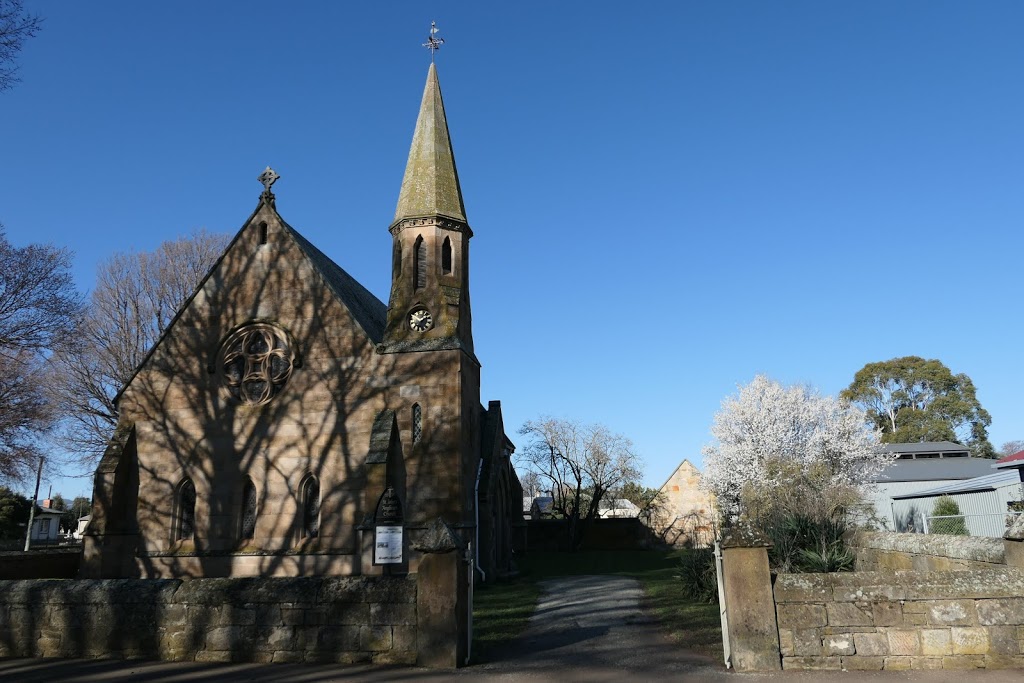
(387,545)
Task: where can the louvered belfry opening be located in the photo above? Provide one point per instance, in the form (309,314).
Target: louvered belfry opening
(310,508)
(185,527)
(446,256)
(248,529)
(421,263)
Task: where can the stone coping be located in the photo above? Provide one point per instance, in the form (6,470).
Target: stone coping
(941,545)
(998,582)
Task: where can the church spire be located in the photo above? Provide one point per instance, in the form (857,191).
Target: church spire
(431,183)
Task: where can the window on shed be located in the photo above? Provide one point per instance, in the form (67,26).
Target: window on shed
(446,256)
(417,423)
(185,518)
(310,507)
(420,271)
(248,529)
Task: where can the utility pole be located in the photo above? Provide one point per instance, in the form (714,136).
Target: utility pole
(32,509)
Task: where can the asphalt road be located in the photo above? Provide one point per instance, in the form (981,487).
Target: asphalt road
(586,628)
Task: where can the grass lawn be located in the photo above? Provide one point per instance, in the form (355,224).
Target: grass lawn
(501,611)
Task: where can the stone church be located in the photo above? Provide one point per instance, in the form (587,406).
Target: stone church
(287,417)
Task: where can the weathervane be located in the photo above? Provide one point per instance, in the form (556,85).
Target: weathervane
(434,42)
(268,178)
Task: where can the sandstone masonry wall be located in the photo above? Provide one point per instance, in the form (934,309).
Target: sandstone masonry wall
(926,552)
(346,620)
(902,620)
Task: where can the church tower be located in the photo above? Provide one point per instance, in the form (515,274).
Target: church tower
(428,309)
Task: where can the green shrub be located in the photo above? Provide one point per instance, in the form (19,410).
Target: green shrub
(697,575)
(803,544)
(946,507)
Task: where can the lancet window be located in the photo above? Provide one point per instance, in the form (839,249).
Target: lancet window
(310,492)
(185,511)
(446,256)
(417,423)
(420,271)
(248,527)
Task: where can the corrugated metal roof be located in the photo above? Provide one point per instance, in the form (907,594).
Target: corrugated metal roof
(988,482)
(935,468)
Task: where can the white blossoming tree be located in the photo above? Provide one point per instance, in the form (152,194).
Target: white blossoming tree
(789,450)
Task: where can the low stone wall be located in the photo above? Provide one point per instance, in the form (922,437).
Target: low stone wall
(901,619)
(347,620)
(50,563)
(885,550)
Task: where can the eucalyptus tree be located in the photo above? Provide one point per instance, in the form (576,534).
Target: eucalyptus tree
(912,399)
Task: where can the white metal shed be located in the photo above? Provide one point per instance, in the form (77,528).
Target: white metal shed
(983,502)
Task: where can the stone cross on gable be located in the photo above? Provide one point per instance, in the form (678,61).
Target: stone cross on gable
(268,178)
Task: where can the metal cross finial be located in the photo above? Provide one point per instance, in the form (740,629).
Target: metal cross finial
(434,42)
(268,178)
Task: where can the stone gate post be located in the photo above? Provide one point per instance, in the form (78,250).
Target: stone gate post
(442,599)
(753,630)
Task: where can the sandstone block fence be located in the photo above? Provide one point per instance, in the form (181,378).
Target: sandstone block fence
(914,602)
(345,620)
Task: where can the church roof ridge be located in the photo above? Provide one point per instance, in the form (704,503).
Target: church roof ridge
(430,186)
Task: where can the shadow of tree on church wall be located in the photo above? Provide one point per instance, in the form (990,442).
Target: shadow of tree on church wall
(186,424)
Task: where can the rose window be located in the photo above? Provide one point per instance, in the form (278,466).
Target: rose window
(256,363)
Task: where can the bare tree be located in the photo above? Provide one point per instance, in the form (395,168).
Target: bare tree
(16,26)
(1011,448)
(137,296)
(38,312)
(582,463)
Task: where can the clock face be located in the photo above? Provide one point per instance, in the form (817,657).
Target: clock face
(420,320)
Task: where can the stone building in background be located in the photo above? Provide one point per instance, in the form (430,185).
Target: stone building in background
(687,514)
(287,413)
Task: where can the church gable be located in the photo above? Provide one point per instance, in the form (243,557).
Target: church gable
(268,275)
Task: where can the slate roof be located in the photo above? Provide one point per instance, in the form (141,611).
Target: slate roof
(988,482)
(935,469)
(369,311)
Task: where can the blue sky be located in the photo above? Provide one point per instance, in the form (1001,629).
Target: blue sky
(668,198)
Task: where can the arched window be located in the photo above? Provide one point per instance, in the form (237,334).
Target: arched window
(417,423)
(396,265)
(248,528)
(446,256)
(420,271)
(263,232)
(310,497)
(185,512)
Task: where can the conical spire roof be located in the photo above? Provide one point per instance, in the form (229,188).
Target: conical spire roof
(431,183)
